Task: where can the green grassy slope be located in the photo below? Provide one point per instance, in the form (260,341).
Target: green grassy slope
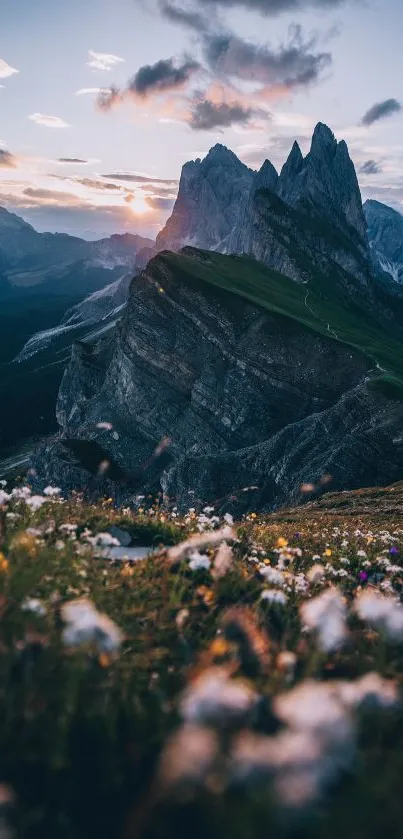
(322,309)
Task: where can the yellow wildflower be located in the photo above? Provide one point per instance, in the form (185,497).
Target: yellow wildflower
(3,563)
(281,542)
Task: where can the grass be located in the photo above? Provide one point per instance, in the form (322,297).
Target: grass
(82,732)
(320,307)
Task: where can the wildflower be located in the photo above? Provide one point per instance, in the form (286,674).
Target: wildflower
(393,550)
(286,662)
(200,541)
(3,563)
(229,519)
(363,576)
(316,574)
(85,625)
(199,562)
(272,575)
(52,492)
(281,542)
(188,756)
(32,604)
(273,596)
(326,614)
(382,612)
(4,497)
(182,617)
(105,426)
(328,552)
(215,698)
(35,502)
(223,561)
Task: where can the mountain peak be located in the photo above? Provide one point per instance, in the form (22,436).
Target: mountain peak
(323,135)
(266,177)
(222,154)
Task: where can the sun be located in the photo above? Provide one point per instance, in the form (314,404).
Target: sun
(138,205)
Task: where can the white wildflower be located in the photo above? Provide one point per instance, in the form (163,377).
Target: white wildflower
(229,519)
(4,497)
(223,561)
(326,614)
(85,625)
(199,562)
(188,755)
(216,698)
(35,502)
(382,612)
(200,541)
(273,596)
(272,575)
(316,574)
(32,604)
(52,492)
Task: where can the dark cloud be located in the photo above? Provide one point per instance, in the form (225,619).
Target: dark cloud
(108,97)
(292,64)
(72,160)
(161,77)
(164,204)
(137,179)
(7,160)
(370,167)
(381,110)
(184,17)
(272,7)
(50,196)
(207,115)
(92,183)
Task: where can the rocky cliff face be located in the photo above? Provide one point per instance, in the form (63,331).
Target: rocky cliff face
(385,232)
(210,198)
(204,395)
(324,182)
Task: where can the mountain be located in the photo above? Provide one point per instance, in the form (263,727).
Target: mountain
(234,379)
(324,182)
(55,263)
(223,376)
(34,376)
(210,197)
(385,232)
(43,276)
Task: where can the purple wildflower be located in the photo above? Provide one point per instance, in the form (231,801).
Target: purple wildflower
(363,576)
(393,550)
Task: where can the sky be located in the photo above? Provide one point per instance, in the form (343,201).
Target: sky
(103,101)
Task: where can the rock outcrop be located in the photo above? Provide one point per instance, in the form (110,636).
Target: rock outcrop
(211,195)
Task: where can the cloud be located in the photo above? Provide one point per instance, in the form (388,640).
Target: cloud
(7,160)
(50,196)
(292,64)
(85,91)
(370,167)
(49,121)
(103,61)
(272,7)
(381,110)
(6,70)
(208,115)
(184,17)
(138,179)
(108,97)
(161,77)
(72,160)
(165,204)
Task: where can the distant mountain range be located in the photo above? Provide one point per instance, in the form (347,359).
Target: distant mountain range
(42,276)
(266,354)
